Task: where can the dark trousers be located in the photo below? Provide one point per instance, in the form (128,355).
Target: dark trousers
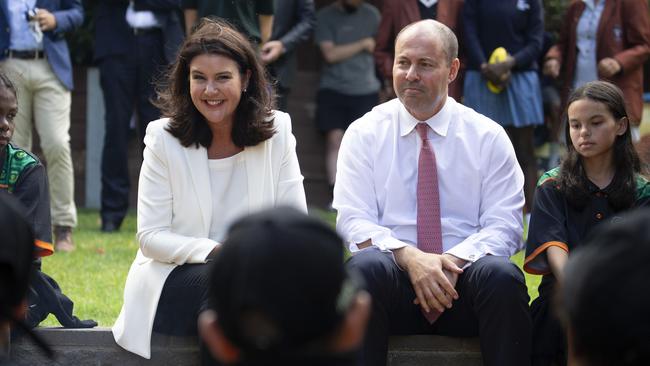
(336,111)
(183,298)
(492,304)
(128,84)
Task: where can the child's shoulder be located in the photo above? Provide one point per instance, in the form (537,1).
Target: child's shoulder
(550,177)
(642,187)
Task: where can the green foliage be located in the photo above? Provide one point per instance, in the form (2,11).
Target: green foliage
(554,15)
(93,275)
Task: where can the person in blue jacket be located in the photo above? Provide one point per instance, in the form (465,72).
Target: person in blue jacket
(34,54)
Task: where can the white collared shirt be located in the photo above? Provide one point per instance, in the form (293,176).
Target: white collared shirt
(480,181)
(586,33)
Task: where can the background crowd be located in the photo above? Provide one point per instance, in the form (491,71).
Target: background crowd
(219,105)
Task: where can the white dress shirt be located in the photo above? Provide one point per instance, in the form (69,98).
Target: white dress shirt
(480,181)
(586,33)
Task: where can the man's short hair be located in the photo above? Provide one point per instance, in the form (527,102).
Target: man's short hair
(278,283)
(605,299)
(16,256)
(445,35)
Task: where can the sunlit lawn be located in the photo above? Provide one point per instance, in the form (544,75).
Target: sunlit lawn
(93,275)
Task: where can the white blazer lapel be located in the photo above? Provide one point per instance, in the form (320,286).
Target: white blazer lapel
(197,162)
(258,172)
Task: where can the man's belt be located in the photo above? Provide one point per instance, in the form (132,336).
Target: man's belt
(26,55)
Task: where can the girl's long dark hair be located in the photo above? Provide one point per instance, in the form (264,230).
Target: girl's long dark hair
(573,181)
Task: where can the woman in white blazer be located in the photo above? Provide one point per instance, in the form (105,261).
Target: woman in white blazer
(221,153)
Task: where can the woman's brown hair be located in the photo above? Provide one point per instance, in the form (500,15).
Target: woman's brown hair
(252,123)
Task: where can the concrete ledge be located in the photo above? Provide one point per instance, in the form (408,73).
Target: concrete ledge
(427,350)
(97,347)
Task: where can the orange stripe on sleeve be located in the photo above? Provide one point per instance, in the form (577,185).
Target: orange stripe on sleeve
(539,251)
(43,248)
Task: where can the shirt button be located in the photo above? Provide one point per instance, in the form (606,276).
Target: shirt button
(599,216)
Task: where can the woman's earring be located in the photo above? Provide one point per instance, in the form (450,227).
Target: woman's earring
(244,90)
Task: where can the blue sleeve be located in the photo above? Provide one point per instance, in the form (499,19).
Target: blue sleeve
(69,16)
(534,37)
(473,48)
(304,26)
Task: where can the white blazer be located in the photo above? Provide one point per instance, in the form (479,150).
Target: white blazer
(175,213)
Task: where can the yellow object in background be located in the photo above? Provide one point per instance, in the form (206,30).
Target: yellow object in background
(498,55)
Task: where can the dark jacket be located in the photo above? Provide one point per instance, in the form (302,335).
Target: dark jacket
(113,34)
(69,15)
(623,34)
(293,23)
(516,25)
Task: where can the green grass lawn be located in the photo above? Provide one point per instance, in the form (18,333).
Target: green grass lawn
(93,275)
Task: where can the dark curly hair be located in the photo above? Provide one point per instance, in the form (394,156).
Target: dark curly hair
(7,84)
(573,181)
(253,122)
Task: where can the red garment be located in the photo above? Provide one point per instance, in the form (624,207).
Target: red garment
(623,34)
(395,15)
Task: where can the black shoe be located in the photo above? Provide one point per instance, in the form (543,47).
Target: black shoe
(109,227)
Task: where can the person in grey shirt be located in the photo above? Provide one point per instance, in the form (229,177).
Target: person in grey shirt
(349,87)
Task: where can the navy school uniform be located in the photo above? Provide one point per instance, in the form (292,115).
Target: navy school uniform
(554,222)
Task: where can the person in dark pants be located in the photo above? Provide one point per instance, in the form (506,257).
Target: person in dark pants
(134,42)
(429,196)
(348,87)
(293,22)
(34,53)
(222,152)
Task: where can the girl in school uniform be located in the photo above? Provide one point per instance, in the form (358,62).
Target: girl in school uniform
(599,178)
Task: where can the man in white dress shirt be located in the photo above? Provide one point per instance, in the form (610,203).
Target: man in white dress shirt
(470,288)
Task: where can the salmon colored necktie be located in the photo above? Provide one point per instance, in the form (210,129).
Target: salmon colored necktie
(428,203)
